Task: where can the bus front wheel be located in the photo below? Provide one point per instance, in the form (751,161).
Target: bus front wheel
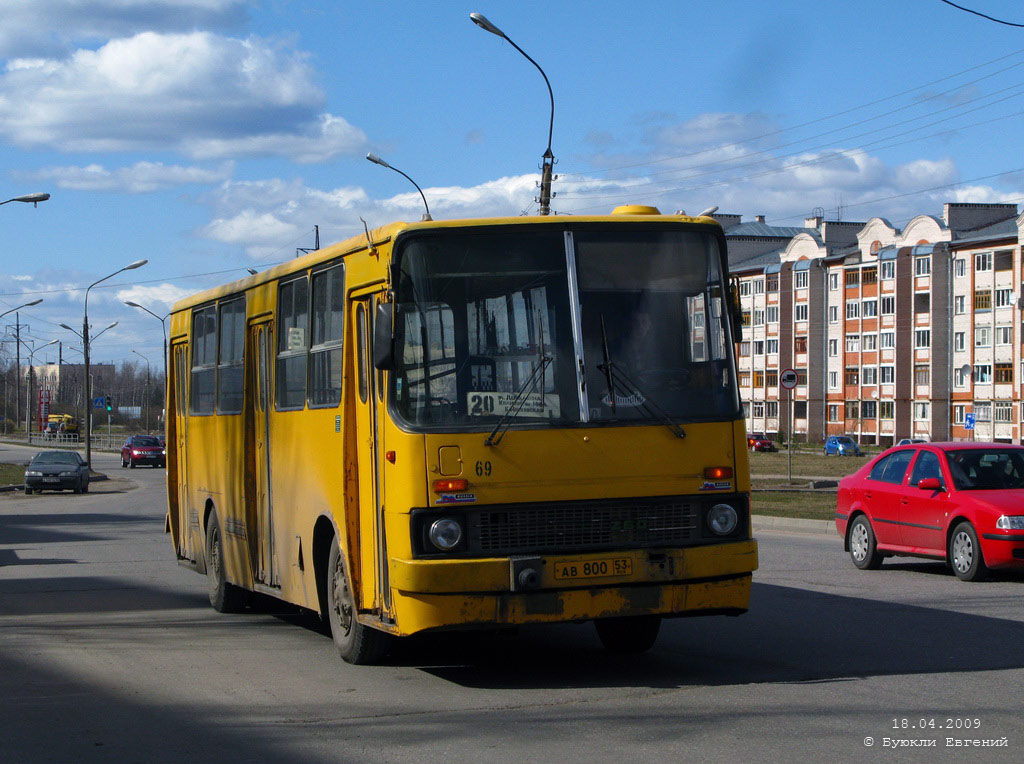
(629,635)
(356,642)
(225,597)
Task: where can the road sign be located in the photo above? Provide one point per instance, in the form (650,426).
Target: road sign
(968,421)
(788,378)
(98,403)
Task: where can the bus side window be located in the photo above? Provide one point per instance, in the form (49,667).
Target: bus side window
(361,350)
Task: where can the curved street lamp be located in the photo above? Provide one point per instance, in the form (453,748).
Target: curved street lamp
(147,384)
(85,347)
(377,160)
(32,199)
(26,305)
(163,326)
(548,160)
(28,400)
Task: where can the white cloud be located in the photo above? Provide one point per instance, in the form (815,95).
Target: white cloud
(30,28)
(157,297)
(139,178)
(201,94)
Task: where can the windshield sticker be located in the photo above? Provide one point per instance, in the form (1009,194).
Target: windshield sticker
(296,338)
(456,498)
(718,486)
(501,404)
(636,399)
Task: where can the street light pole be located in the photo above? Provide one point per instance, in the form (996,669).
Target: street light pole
(147,387)
(28,398)
(85,352)
(163,326)
(17,354)
(548,159)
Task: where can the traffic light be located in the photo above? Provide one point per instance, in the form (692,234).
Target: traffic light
(107,403)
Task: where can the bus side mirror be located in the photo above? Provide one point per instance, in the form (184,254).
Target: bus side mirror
(383,339)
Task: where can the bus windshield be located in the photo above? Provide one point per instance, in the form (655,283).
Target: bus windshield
(561,326)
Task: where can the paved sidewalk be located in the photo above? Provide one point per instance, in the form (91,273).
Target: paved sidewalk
(794,525)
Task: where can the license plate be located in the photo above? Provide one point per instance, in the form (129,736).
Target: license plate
(51,480)
(612,566)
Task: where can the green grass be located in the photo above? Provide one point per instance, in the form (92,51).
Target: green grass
(806,505)
(771,470)
(12,474)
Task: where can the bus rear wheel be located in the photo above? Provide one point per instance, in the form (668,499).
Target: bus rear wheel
(356,642)
(224,597)
(629,635)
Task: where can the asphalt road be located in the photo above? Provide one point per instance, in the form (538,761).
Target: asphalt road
(109,652)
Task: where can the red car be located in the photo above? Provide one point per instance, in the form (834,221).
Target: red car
(760,444)
(143,449)
(959,502)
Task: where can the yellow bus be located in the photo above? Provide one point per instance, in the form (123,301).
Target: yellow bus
(469,424)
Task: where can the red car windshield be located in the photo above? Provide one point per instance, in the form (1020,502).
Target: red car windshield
(986,469)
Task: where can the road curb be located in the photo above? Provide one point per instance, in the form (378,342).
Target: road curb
(793,525)
(94,477)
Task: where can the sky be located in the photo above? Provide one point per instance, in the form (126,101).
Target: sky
(211,136)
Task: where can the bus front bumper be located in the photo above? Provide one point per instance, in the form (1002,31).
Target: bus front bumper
(669,582)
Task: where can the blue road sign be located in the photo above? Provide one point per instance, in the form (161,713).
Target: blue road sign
(98,403)
(968,421)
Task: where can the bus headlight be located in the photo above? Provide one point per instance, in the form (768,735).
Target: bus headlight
(722,519)
(445,534)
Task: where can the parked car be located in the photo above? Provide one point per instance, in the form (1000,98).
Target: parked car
(761,444)
(959,502)
(143,449)
(843,445)
(910,441)
(57,471)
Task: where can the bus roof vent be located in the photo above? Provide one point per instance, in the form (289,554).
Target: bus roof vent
(636,209)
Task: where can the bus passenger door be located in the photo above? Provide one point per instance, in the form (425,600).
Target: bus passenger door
(372,548)
(185,526)
(259,499)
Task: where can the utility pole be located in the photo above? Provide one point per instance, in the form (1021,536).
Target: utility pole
(17,353)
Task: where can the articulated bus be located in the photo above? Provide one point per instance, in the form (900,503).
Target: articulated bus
(469,424)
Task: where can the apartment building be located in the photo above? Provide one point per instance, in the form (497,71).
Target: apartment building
(893,333)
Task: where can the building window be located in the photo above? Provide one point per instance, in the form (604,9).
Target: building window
(758,410)
(852,410)
(961,376)
(869,410)
(869,341)
(983,261)
(833,380)
(869,308)
(800,279)
(852,376)
(771,409)
(982,373)
(921,375)
(888,306)
(922,302)
(771,282)
(1004,335)
(799,344)
(960,268)
(801,377)
(833,314)
(1003,373)
(1004,260)
(853,309)
(922,266)
(852,279)
(758,286)
(758,379)
(887,340)
(959,339)
(982,337)
(744,349)
(799,409)
(800,311)
(744,378)
(888,375)
(1004,298)
(920,410)
(771,378)
(833,412)
(833,280)
(886,410)
(758,317)
(772,347)
(772,314)
(869,276)
(1003,411)
(758,347)
(959,305)
(744,289)
(833,347)
(746,317)
(869,375)
(888,269)
(958,413)
(852,343)
(922,338)
(982,299)
(983,411)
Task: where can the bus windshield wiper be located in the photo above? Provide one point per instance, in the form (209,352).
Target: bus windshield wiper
(645,403)
(609,386)
(516,405)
